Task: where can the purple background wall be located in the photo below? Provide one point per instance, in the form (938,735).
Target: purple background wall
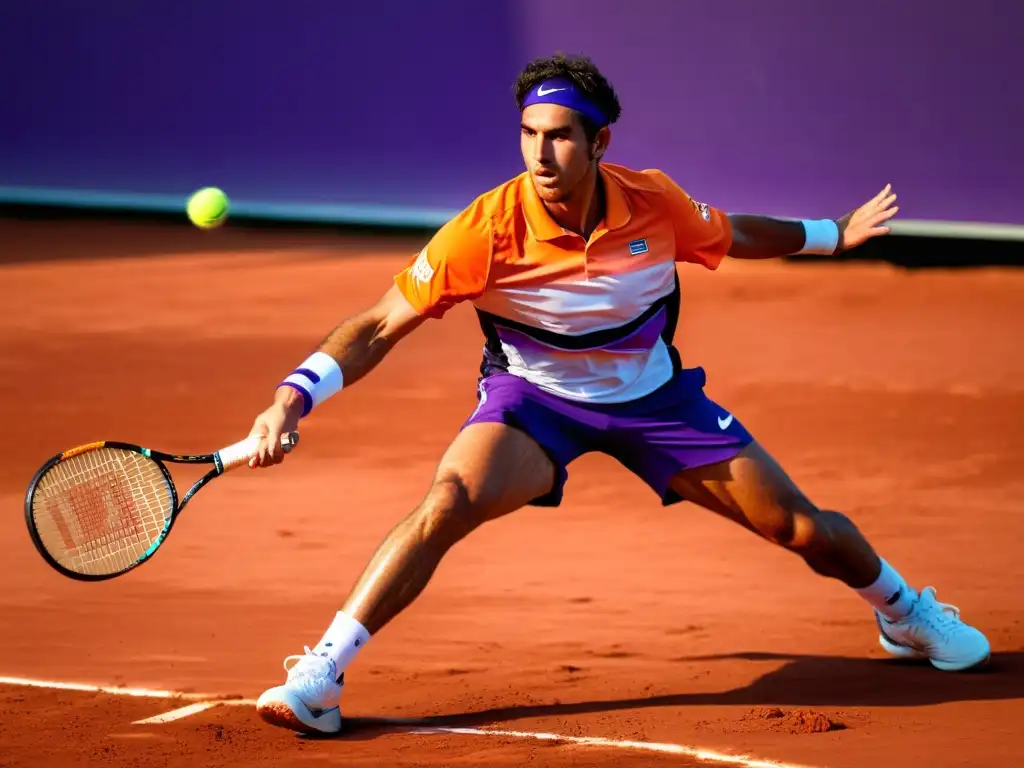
(799,107)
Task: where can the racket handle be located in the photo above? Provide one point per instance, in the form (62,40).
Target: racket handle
(238,454)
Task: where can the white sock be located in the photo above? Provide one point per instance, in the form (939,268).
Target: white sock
(890,594)
(342,641)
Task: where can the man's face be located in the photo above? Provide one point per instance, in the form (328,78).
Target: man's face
(556,151)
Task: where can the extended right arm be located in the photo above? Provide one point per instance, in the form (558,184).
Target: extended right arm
(362,341)
(454,266)
(355,347)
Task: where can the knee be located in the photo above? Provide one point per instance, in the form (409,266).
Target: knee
(447,513)
(809,530)
(832,528)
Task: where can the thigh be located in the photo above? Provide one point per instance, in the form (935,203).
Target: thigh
(676,428)
(498,468)
(563,431)
(751,489)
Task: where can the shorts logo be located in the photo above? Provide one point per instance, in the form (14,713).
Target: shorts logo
(421,269)
(702,209)
(481,398)
(636,247)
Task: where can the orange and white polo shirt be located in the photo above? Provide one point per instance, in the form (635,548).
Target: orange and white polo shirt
(589,320)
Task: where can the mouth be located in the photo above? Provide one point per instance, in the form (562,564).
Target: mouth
(545,176)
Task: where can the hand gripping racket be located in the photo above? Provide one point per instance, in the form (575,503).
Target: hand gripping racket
(99,510)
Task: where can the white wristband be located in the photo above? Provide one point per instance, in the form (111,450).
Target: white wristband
(316,379)
(820,236)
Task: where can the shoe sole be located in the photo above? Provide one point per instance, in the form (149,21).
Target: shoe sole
(899,651)
(946,667)
(286,711)
(905,652)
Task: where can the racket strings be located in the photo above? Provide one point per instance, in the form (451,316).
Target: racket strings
(99,512)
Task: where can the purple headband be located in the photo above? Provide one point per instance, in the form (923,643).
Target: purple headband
(562,92)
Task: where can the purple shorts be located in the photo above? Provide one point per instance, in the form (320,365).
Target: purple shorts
(675,427)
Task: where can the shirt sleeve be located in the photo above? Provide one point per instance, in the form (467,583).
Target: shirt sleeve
(703,234)
(451,268)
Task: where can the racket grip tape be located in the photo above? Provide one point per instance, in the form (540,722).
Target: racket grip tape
(238,454)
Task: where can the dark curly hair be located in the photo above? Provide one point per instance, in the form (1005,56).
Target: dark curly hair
(584,74)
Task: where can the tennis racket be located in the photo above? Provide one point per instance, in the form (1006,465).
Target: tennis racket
(102,509)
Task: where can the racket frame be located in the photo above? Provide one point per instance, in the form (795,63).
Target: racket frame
(161,459)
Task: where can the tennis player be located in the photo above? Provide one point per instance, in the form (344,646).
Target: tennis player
(571,267)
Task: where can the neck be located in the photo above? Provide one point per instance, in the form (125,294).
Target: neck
(585,209)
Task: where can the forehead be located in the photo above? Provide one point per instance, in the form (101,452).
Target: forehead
(548,117)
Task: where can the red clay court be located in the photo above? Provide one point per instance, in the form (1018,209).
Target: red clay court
(635,633)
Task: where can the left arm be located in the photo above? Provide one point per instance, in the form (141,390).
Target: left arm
(764,237)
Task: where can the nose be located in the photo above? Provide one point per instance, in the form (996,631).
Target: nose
(541,151)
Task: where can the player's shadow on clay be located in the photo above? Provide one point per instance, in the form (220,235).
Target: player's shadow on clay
(801,681)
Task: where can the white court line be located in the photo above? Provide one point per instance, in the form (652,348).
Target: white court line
(202,702)
(149,693)
(177,714)
(192,709)
(706,755)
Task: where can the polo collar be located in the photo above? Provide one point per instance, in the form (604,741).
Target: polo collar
(543,227)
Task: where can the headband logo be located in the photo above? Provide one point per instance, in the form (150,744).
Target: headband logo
(563,92)
(542,91)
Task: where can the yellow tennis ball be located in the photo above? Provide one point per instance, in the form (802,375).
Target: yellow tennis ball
(208,208)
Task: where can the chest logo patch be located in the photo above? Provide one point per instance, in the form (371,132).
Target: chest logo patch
(636,247)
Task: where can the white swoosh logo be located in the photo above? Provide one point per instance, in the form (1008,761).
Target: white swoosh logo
(724,423)
(542,92)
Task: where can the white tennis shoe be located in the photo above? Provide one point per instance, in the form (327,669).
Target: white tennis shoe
(934,631)
(309,700)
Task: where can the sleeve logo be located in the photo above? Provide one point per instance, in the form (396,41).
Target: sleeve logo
(421,269)
(702,209)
